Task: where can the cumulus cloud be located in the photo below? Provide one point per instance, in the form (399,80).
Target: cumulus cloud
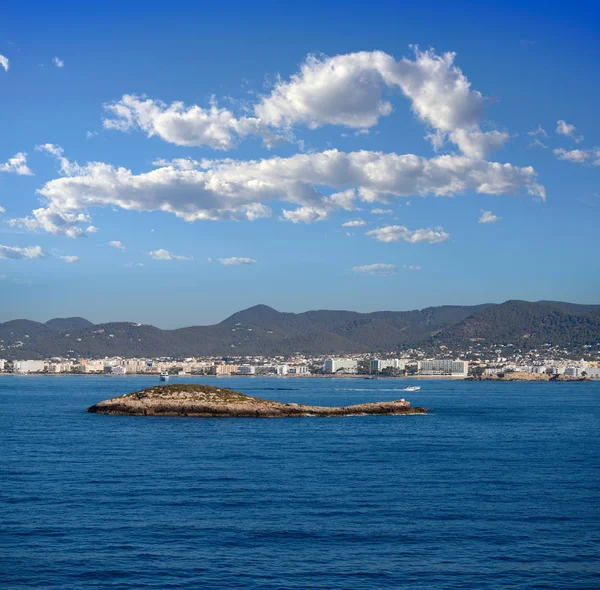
(2,210)
(193,125)
(4,62)
(376,269)
(304,214)
(57,222)
(162,254)
(70,259)
(378,211)
(397,233)
(488,217)
(59,63)
(350,90)
(229,189)
(236,261)
(354,223)
(17,165)
(117,244)
(579,156)
(570,131)
(14,253)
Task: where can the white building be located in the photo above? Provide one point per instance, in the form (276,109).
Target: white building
(282,369)
(59,367)
(340,366)
(246,370)
(443,367)
(378,365)
(2,364)
(298,370)
(28,366)
(593,372)
(574,371)
(93,366)
(118,370)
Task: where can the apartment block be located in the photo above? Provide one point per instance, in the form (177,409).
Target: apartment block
(443,367)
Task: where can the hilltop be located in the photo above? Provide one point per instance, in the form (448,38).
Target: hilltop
(262,330)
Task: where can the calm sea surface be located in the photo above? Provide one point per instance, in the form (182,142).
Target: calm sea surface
(498,487)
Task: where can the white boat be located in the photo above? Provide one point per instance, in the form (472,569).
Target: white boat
(164,376)
(412,388)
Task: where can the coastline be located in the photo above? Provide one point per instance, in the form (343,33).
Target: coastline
(530,377)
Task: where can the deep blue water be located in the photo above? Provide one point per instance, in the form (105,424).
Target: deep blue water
(498,487)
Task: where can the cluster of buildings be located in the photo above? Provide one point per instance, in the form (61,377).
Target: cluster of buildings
(573,369)
(394,366)
(414,364)
(120,366)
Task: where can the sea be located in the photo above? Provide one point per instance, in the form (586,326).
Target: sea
(498,486)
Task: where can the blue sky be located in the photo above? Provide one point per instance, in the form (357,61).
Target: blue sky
(205,159)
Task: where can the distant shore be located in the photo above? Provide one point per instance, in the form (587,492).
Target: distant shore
(509,378)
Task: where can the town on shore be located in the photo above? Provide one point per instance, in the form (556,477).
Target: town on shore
(533,365)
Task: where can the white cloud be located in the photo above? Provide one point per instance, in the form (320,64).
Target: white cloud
(354,223)
(17,164)
(70,258)
(190,126)
(57,222)
(539,131)
(235,261)
(396,233)
(378,211)
(21,253)
(229,189)
(343,90)
(4,62)
(563,128)
(488,217)
(2,210)
(579,156)
(537,143)
(376,269)
(67,168)
(117,244)
(131,264)
(59,63)
(304,215)
(410,267)
(163,254)
(349,90)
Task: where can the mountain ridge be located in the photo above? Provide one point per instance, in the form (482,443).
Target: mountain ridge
(263,331)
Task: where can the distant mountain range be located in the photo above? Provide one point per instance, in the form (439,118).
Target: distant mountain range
(262,330)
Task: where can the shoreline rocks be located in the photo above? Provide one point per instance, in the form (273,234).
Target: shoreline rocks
(207,401)
(520,376)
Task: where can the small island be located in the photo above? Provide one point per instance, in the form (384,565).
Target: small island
(206,401)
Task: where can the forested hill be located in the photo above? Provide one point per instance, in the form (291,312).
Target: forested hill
(262,330)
